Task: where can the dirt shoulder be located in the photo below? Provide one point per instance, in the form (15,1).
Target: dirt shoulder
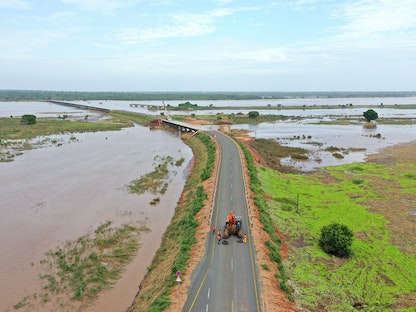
(273,299)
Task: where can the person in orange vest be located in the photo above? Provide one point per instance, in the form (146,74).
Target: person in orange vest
(245,238)
(214,229)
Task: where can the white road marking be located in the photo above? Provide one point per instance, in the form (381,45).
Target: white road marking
(232,264)
(206,308)
(209,291)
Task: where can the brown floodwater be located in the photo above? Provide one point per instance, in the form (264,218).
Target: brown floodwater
(58,193)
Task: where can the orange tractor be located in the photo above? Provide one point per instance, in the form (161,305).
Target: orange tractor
(233,225)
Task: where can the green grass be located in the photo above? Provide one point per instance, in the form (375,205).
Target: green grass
(379,275)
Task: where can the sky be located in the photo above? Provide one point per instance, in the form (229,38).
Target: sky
(208,45)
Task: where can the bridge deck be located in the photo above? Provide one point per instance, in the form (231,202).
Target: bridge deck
(182,125)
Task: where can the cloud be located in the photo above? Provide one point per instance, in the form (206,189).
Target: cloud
(15,4)
(101,5)
(365,18)
(181,25)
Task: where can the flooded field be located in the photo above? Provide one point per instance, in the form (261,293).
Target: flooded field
(354,141)
(277,107)
(58,193)
(54,194)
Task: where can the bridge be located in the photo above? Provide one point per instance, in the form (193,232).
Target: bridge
(151,106)
(81,106)
(181,126)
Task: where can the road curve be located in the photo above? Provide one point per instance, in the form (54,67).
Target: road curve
(226,279)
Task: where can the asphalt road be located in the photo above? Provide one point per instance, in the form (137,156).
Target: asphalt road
(226,278)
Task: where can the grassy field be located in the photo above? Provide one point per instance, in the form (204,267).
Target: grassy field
(380,275)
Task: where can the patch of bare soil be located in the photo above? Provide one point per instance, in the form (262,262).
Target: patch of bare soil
(194,121)
(403,153)
(394,205)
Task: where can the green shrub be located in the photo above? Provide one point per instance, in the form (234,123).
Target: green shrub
(336,239)
(28,120)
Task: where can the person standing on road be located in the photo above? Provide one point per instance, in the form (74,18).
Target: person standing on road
(219,237)
(245,238)
(214,229)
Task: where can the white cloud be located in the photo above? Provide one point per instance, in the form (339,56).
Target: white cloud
(375,17)
(101,5)
(369,29)
(15,4)
(179,26)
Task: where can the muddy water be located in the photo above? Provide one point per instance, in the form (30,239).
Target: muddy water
(54,194)
(357,142)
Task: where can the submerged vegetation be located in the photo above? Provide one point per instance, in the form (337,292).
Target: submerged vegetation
(156,181)
(272,152)
(13,129)
(177,242)
(16,137)
(379,275)
(153,181)
(77,271)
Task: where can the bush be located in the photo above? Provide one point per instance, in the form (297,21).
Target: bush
(253,114)
(28,120)
(336,239)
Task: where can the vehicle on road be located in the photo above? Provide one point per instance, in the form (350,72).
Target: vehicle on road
(233,225)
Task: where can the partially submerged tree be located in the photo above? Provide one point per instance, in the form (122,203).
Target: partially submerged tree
(370,115)
(336,239)
(28,120)
(253,114)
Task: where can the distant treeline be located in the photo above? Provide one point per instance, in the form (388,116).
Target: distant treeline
(40,95)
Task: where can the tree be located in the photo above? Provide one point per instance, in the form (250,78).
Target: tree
(336,239)
(28,120)
(253,114)
(370,115)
